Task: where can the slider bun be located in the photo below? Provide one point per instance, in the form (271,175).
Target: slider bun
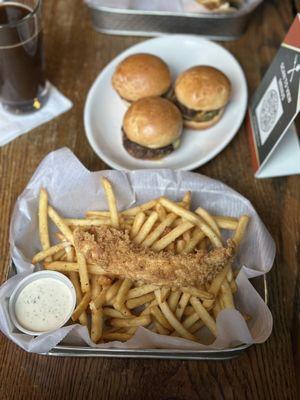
(203,125)
(203,88)
(141,75)
(153,122)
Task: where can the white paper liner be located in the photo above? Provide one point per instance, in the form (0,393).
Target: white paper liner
(73,190)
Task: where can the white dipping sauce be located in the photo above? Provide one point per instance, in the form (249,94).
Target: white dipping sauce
(43,305)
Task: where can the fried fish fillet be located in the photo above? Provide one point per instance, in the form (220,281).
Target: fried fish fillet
(113,250)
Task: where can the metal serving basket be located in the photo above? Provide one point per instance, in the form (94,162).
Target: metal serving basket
(66,349)
(220,26)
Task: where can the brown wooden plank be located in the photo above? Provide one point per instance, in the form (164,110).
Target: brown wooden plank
(75,55)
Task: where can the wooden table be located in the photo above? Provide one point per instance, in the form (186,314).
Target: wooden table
(75,55)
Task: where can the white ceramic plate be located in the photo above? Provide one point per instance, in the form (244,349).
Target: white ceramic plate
(104,110)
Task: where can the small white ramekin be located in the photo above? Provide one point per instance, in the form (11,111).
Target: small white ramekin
(33,277)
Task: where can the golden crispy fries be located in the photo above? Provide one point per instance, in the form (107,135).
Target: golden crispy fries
(112,313)
(112,204)
(63,266)
(59,222)
(226,295)
(204,315)
(226,222)
(192,218)
(196,237)
(189,321)
(119,336)
(171,236)
(183,302)
(161,212)
(159,230)
(113,290)
(87,222)
(143,207)
(139,301)
(159,224)
(42,255)
(141,290)
(97,314)
(173,300)
(82,306)
(121,295)
(137,223)
(209,220)
(83,272)
(241,228)
(43,221)
(143,320)
(216,283)
(186,200)
(146,228)
(198,293)
(173,321)
(158,315)
(160,329)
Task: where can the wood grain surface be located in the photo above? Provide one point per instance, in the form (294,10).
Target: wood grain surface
(75,54)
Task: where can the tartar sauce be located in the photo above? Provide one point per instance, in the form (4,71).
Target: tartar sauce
(43,305)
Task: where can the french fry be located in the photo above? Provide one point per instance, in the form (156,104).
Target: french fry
(42,255)
(180,245)
(58,256)
(209,220)
(140,291)
(99,300)
(189,321)
(143,207)
(159,316)
(97,314)
(208,304)
(137,223)
(217,308)
(146,228)
(97,214)
(226,295)
(197,325)
(148,308)
(63,266)
(198,293)
(204,315)
(112,204)
(121,295)
(192,218)
(226,222)
(43,221)
(160,329)
(197,235)
(233,286)
(241,228)
(189,310)
(139,301)
(216,283)
(143,320)
(173,300)
(171,236)
(186,200)
(183,302)
(113,290)
(119,336)
(112,313)
(173,321)
(59,222)
(86,222)
(82,306)
(161,212)
(83,272)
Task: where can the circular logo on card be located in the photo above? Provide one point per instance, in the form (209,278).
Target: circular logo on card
(269,110)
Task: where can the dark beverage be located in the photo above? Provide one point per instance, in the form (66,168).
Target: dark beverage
(22,82)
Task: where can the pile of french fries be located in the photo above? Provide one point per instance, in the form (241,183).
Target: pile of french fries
(113,308)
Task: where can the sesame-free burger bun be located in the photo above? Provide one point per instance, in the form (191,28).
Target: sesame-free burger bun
(153,122)
(203,88)
(141,75)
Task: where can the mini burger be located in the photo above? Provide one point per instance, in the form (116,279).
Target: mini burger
(152,128)
(141,75)
(201,93)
